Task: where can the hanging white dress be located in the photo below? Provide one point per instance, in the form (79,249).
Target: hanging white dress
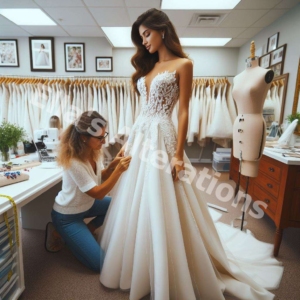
(277,104)
(27,123)
(190,135)
(121,127)
(269,109)
(100,102)
(114,111)
(5,102)
(158,235)
(95,99)
(203,122)
(128,112)
(224,122)
(21,105)
(210,100)
(105,113)
(10,103)
(196,112)
(230,103)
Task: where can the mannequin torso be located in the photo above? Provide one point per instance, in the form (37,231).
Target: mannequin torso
(249,129)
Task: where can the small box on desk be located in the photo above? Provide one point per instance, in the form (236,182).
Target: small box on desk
(221,161)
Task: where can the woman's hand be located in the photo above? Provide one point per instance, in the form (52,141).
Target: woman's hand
(123,164)
(177,168)
(117,159)
(121,152)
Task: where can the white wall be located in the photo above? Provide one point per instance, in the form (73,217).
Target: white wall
(93,47)
(207,61)
(288,27)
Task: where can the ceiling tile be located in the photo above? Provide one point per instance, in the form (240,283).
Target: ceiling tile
(143,3)
(104,3)
(287,3)
(227,32)
(45,30)
(12,31)
(4,21)
(17,4)
(84,31)
(270,17)
(135,12)
(242,18)
(180,18)
(236,42)
(180,31)
(257,4)
(114,17)
(249,33)
(198,32)
(70,16)
(59,3)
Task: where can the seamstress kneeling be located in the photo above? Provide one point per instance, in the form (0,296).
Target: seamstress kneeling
(83,172)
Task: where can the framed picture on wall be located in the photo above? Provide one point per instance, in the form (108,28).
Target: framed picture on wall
(278,55)
(264,61)
(9,53)
(277,69)
(74,57)
(41,51)
(104,64)
(273,42)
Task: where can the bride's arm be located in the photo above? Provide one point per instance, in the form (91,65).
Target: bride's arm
(185,88)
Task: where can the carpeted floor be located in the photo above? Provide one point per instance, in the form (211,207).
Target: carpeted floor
(59,276)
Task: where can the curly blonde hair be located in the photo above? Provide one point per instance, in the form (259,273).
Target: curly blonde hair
(72,146)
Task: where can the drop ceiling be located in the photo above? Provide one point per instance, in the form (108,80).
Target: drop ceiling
(84,18)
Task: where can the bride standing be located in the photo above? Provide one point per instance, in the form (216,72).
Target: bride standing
(158,236)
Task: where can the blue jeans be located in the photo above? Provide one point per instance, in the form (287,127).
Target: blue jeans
(77,236)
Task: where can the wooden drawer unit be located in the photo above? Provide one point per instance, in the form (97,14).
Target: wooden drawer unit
(277,185)
(260,194)
(268,184)
(270,169)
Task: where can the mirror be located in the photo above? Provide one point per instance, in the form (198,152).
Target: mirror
(296,104)
(277,91)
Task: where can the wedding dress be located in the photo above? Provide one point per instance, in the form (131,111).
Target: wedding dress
(159,236)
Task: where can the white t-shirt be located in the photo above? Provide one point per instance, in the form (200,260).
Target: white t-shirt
(77,180)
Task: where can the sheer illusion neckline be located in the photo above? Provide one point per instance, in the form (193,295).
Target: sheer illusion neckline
(148,91)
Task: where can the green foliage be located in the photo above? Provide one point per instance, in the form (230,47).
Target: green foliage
(10,135)
(293,117)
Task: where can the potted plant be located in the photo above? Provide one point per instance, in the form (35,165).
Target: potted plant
(293,117)
(10,135)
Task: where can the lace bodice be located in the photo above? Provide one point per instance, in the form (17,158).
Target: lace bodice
(163,94)
(155,118)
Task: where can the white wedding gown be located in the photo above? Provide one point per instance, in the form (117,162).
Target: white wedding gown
(159,236)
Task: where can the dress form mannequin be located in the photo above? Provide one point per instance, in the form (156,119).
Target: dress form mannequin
(249,129)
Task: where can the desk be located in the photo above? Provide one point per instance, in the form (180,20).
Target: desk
(278,186)
(40,183)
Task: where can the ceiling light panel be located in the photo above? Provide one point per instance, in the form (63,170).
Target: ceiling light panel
(196,4)
(120,37)
(27,16)
(204,42)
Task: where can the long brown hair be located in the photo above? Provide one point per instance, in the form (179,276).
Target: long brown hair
(142,60)
(71,144)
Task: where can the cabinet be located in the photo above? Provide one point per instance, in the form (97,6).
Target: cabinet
(278,186)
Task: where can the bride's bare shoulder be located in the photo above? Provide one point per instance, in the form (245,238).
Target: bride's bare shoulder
(184,65)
